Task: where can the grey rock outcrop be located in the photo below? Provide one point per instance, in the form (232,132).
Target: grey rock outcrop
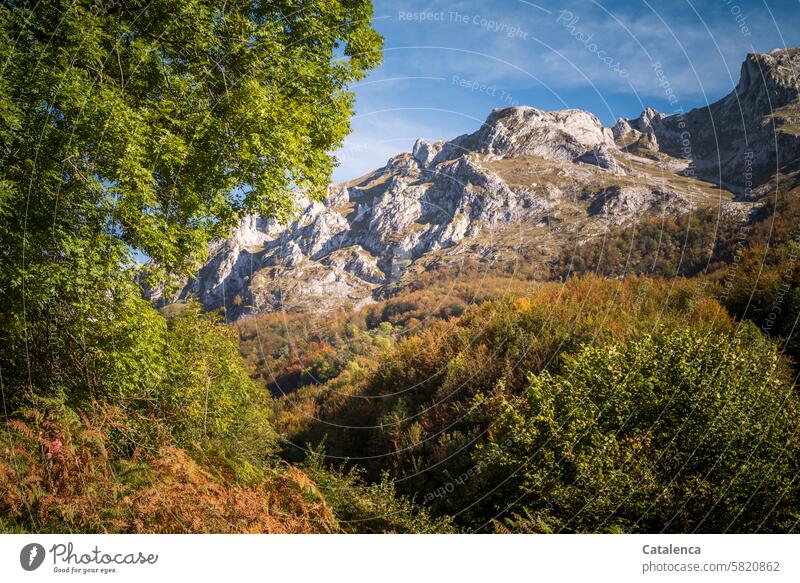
(603,156)
(741,140)
(525,179)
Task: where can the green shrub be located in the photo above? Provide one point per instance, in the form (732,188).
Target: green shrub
(362,507)
(207,396)
(679,431)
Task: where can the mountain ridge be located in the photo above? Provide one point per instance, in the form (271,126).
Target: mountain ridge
(526,179)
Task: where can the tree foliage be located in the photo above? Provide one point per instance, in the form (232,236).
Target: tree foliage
(151,126)
(131,128)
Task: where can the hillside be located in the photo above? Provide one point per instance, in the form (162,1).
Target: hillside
(621,397)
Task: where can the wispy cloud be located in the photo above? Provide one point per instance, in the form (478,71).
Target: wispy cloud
(458,59)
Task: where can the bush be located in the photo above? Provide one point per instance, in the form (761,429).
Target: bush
(62,472)
(370,507)
(676,432)
(208,399)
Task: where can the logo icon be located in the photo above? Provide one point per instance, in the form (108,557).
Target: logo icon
(31,556)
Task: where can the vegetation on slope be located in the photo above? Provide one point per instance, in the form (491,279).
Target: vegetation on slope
(593,405)
(644,404)
(195,453)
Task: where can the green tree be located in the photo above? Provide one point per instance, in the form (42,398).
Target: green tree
(150,126)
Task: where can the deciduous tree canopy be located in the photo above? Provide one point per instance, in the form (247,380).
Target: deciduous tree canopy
(153,126)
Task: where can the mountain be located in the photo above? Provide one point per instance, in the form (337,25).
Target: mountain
(514,193)
(743,139)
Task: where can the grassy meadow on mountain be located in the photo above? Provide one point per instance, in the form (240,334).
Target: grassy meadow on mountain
(543,326)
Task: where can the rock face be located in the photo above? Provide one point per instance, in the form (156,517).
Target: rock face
(526,131)
(741,140)
(526,179)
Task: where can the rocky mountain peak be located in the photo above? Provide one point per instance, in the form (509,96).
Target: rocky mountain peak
(527,131)
(770,80)
(522,131)
(526,179)
(739,141)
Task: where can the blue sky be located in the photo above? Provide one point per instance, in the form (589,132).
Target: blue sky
(448,63)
